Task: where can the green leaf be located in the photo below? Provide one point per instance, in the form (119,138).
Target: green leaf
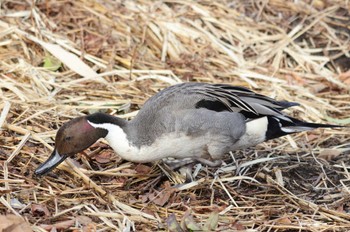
(212,222)
(191,224)
(338,121)
(51,63)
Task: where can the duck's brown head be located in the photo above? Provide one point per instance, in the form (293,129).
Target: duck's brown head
(73,137)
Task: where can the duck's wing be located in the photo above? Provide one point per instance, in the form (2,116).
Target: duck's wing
(239,99)
(216,97)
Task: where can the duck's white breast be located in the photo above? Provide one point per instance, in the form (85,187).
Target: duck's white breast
(176,145)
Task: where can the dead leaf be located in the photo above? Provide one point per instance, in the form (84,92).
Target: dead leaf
(13,223)
(345,77)
(148,211)
(143,169)
(312,137)
(144,198)
(284,221)
(173,225)
(88,224)
(238,226)
(166,185)
(319,4)
(329,154)
(119,181)
(340,208)
(318,87)
(103,157)
(59,225)
(39,210)
(192,196)
(91,227)
(160,198)
(92,43)
(4,191)
(84,220)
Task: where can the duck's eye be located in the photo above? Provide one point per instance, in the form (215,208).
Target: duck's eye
(68,138)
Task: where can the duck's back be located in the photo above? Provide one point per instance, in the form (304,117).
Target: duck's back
(176,97)
(176,109)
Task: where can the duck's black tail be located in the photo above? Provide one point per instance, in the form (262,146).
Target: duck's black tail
(280,126)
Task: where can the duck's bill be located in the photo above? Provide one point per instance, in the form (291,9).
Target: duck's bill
(53,161)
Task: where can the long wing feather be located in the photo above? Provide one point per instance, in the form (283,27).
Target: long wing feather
(240,99)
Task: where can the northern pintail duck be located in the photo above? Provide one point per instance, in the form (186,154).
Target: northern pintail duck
(199,121)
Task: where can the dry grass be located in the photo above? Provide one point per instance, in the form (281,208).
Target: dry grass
(62,59)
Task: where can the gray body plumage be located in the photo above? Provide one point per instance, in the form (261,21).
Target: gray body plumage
(175,111)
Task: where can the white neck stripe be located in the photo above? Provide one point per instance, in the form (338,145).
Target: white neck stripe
(107,126)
